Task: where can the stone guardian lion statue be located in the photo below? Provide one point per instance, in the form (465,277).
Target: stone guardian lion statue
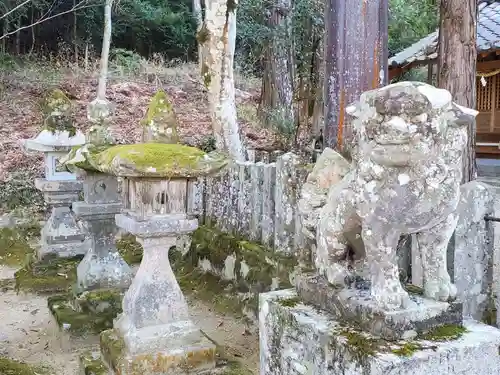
(404,178)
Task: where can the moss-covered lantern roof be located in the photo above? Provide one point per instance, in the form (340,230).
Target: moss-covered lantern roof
(160,160)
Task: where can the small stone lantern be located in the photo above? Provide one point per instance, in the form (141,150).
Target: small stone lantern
(155,317)
(157,333)
(62,235)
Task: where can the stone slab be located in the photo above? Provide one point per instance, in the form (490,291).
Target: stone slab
(356,306)
(58,185)
(91,312)
(156,226)
(297,338)
(82,209)
(193,357)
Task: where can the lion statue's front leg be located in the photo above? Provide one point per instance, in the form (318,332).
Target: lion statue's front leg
(433,245)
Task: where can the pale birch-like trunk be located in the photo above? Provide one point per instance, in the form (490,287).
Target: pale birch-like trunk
(100,109)
(198,15)
(106,42)
(221,42)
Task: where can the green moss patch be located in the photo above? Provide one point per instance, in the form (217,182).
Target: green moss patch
(407,349)
(50,276)
(444,333)
(112,347)
(264,266)
(15,246)
(91,364)
(92,312)
(130,249)
(12,367)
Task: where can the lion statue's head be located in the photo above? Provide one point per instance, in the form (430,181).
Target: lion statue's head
(407,123)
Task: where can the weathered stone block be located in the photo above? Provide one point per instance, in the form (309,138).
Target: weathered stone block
(296,338)
(192,357)
(357,307)
(473,248)
(90,312)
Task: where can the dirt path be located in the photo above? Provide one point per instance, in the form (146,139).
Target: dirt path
(28,333)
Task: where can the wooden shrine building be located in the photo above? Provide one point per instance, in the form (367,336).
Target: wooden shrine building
(424,53)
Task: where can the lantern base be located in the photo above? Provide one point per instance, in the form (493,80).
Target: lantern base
(62,236)
(193,354)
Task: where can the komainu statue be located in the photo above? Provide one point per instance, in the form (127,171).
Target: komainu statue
(404,178)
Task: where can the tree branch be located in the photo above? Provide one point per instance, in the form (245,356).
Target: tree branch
(73,9)
(14,9)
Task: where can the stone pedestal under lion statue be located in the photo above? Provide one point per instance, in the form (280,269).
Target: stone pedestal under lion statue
(353,315)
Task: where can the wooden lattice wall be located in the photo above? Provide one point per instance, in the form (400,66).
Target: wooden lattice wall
(488,105)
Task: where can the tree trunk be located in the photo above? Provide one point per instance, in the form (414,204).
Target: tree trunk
(457,58)
(356,59)
(220,21)
(18,37)
(198,15)
(106,43)
(75,34)
(277,82)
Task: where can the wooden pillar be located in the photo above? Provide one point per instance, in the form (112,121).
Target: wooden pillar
(493,102)
(356,57)
(430,71)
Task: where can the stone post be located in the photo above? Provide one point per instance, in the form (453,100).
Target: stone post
(61,235)
(102,266)
(155,317)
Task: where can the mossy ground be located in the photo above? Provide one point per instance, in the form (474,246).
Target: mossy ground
(56,275)
(50,276)
(12,367)
(91,364)
(92,312)
(15,246)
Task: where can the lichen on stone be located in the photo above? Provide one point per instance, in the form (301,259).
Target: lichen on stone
(57,113)
(160,124)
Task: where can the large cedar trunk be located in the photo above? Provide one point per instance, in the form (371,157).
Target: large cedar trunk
(457,64)
(277,82)
(356,59)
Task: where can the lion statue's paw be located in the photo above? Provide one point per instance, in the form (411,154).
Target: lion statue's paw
(394,300)
(440,289)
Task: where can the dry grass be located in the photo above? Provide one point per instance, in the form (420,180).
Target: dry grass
(23,85)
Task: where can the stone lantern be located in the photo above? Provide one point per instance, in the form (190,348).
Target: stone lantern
(61,236)
(155,328)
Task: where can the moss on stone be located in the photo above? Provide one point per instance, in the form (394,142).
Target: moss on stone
(407,349)
(12,367)
(92,364)
(264,265)
(57,112)
(49,276)
(130,249)
(112,347)
(361,346)
(413,289)
(289,302)
(90,319)
(160,124)
(15,246)
(444,333)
